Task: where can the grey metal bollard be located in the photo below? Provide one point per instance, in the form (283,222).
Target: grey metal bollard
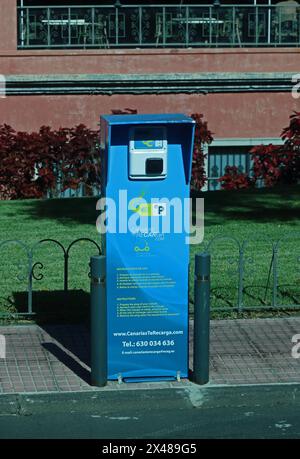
(98,321)
(201,318)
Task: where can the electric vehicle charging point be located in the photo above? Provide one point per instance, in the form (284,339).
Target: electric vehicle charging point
(146,176)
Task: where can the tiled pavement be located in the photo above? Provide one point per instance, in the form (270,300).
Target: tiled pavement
(254,351)
(56,358)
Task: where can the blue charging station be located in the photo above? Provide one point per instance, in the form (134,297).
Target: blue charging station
(146,164)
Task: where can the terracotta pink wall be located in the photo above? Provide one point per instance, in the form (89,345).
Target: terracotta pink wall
(151,61)
(8,26)
(229,115)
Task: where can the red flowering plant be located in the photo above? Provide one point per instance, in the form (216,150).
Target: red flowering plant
(273,164)
(18,154)
(267,163)
(291,137)
(280,164)
(33,164)
(50,161)
(233,179)
(73,157)
(202,136)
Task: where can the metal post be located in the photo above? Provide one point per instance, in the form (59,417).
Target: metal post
(30,275)
(164,27)
(48,27)
(234,31)
(187,37)
(27,26)
(22,24)
(241,277)
(256,26)
(117,24)
(93,25)
(66,271)
(275,276)
(140,26)
(269,21)
(210,26)
(69,27)
(98,321)
(201,318)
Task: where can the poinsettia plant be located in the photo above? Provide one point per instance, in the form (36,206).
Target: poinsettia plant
(273,164)
(267,163)
(202,136)
(233,179)
(33,164)
(280,163)
(291,137)
(52,160)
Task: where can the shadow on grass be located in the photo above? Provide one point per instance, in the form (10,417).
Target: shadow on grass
(278,204)
(57,307)
(66,211)
(258,295)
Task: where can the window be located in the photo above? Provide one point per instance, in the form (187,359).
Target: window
(231,152)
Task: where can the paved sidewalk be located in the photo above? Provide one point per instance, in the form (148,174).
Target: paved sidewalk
(56,358)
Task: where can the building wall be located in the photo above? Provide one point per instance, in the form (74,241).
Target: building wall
(240,113)
(152,60)
(8,25)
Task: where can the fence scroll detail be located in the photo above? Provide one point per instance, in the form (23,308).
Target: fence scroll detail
(32,268)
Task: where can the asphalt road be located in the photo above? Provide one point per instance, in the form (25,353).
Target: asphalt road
(271,411)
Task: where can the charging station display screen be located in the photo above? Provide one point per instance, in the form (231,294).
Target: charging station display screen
(148,139)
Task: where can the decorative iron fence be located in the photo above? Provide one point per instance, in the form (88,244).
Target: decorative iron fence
(32,267)
(257,274)
(245,276)
(127,26)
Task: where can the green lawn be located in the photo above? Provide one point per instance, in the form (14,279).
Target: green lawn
(260,216)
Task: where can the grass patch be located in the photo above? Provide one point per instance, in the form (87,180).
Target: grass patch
(258,216)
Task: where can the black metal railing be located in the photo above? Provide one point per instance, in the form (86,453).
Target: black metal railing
(108,26)
(32,268)
(255,274)
(246,275)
